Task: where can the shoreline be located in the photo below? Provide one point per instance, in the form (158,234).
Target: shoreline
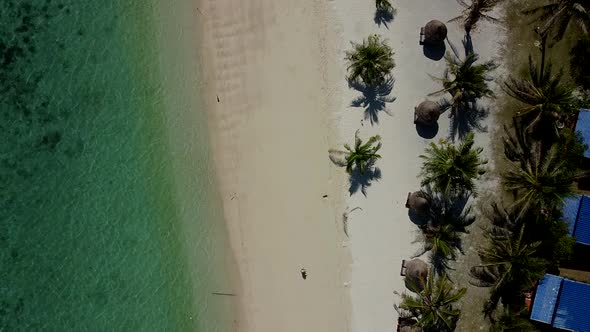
(264,98)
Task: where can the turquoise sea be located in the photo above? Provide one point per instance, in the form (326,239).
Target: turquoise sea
(109,218)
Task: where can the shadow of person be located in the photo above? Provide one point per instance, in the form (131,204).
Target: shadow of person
(384,16)
(434,51)
(361,181)
(427,131)
(374,99)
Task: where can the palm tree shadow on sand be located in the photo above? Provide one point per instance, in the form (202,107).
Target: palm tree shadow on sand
(452,211)
(374,99)
(467,118)
(361,181)
(384,16)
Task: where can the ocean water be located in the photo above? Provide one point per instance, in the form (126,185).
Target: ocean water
(109,218)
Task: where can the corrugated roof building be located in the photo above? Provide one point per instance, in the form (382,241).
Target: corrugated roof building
(562,303)
(583,126)
(576,213)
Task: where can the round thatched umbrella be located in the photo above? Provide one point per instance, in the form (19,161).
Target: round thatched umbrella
(417,201)
(427,113)
(416,273)
(435,32)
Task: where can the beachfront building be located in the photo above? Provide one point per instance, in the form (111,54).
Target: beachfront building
(583,126)
(562,304)
(576,213)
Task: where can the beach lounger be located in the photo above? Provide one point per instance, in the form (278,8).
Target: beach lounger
(421,36)
(402,272)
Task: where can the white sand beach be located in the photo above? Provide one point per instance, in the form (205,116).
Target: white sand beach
(382,233)
(278,99)
(270,63)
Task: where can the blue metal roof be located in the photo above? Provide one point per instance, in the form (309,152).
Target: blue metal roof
(576,213)
(573,308)
(562,303)
(546,299)
(570,210)
(582,227)
(583,126)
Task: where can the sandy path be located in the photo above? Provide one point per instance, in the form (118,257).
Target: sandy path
(267,61)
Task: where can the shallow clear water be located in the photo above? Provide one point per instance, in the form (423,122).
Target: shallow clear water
(97,232)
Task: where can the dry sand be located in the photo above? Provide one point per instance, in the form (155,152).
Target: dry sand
(278,70)
(269,62)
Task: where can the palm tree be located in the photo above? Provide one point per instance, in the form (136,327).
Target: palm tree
(432,307)
(509,265)
(442,225)
(449,168)
(465,81)
(512,321)
(444,243)
(475,11)
(360,157)
(556,17)
(547,99)
(518,144)
(383,5)
(384,13)
(371,61)
(540,182)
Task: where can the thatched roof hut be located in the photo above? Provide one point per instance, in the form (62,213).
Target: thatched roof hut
(435,32)
(417,201)
(416,273)
(427,113)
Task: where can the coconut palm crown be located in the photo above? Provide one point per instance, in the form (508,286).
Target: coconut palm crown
(545,96)
(371,61)
(383,5)
(449,168)
(540,183)
(432,307)
(474,12)
(509,265)
(362,155)
(465,81)
(556,16)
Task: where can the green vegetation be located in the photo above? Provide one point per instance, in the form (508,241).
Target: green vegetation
(579,65)
(451,169)
(541,159)
(383,5)
(371,61)
(474,12)
(465,81)
(540,183)
(432,307)
(362,155)
(546,98)
(509,265)
(512,321)
(555,17)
